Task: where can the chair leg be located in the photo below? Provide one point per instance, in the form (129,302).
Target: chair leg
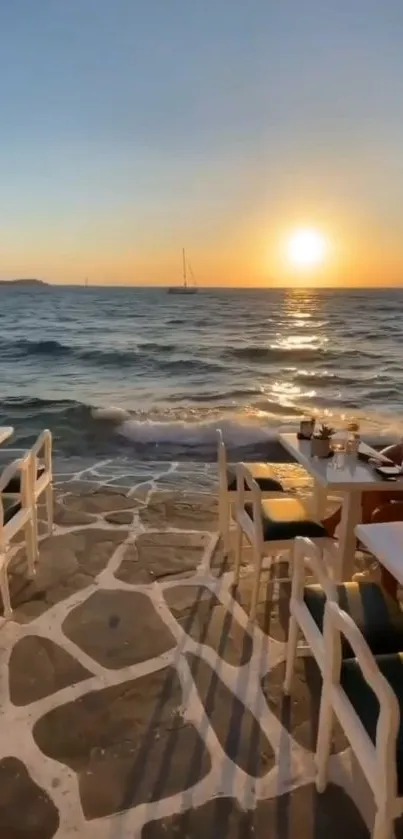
(49,507)
(238,553)
(227,526)
(31,539)
(224,518)
(5,593)
(383,826)
(257,561)
(291,653)
(35,520)
(324,740)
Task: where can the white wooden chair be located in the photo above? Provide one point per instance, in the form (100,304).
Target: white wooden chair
(41,451)
(376,613)
(271,526)
(365,693)
(261,472)
(17,515)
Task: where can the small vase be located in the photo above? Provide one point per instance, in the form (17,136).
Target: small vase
(320,447)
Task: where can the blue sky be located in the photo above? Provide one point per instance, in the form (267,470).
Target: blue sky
(131,126)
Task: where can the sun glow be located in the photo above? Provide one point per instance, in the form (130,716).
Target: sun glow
(306,248)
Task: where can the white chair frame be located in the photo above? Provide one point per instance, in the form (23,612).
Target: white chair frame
(226,497)
(252,529)
(327,574)
(378,762)
(41,452)
(23,519)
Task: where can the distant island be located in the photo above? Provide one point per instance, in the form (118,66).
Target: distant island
(29,283)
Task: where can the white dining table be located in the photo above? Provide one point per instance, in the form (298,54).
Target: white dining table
(385,541)
(350,481)
(6,431)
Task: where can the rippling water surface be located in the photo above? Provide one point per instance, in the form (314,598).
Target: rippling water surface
(138,369)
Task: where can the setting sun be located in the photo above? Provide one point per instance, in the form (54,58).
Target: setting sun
(306,248)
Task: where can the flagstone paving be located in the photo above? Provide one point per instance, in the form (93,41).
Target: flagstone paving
(134,702)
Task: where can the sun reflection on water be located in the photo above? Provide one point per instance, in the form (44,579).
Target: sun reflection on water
(300,342)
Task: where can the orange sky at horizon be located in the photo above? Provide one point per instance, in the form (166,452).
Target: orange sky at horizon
(250,258)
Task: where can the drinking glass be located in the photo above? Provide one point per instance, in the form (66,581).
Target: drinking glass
(339,446)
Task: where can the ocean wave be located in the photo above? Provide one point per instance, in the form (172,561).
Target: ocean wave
(25,347)
(81,430)
(196,438)
(148,356)
(221,396)
(268,355)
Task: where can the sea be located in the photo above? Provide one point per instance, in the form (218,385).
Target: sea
(142,373)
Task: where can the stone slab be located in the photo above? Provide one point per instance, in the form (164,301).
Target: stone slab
(118,628)
(26,811)
(237,729)
(39,667)
(301,813)
(299,712)
(156,556)
(67,563)
(179,511)
(202,616)
(128,744)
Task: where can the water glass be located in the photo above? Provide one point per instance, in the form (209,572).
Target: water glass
(339,447)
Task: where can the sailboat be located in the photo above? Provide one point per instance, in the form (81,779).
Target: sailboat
(185,288)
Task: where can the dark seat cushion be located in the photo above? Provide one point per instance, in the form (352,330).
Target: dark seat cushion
(10,510)
(14,485)
(377,615)
(286,518)
(366,704)
(261,473)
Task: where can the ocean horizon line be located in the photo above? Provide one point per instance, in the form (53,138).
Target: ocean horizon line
(233,288)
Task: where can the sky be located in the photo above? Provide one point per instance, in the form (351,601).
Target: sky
(131,128)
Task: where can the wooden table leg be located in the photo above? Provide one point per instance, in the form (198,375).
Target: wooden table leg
(350,517)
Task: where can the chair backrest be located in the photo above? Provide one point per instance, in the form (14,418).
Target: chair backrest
(42,449)
(304,549)
(253,528)
(24,468)
(221,457)
(338,623)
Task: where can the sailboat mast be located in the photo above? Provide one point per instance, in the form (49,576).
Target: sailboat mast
(184,267)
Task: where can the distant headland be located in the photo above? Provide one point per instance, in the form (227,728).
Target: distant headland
(28,282)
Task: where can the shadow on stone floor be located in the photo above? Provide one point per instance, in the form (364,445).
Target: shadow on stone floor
(130,744)
(272,615)
(301,813)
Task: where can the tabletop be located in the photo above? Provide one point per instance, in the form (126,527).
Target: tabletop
(6,431)
(355,475)
(385,541)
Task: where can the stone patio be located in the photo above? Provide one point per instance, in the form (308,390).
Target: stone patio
(133,700)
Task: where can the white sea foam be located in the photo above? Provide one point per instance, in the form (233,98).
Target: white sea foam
(112,413)
(236,433)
